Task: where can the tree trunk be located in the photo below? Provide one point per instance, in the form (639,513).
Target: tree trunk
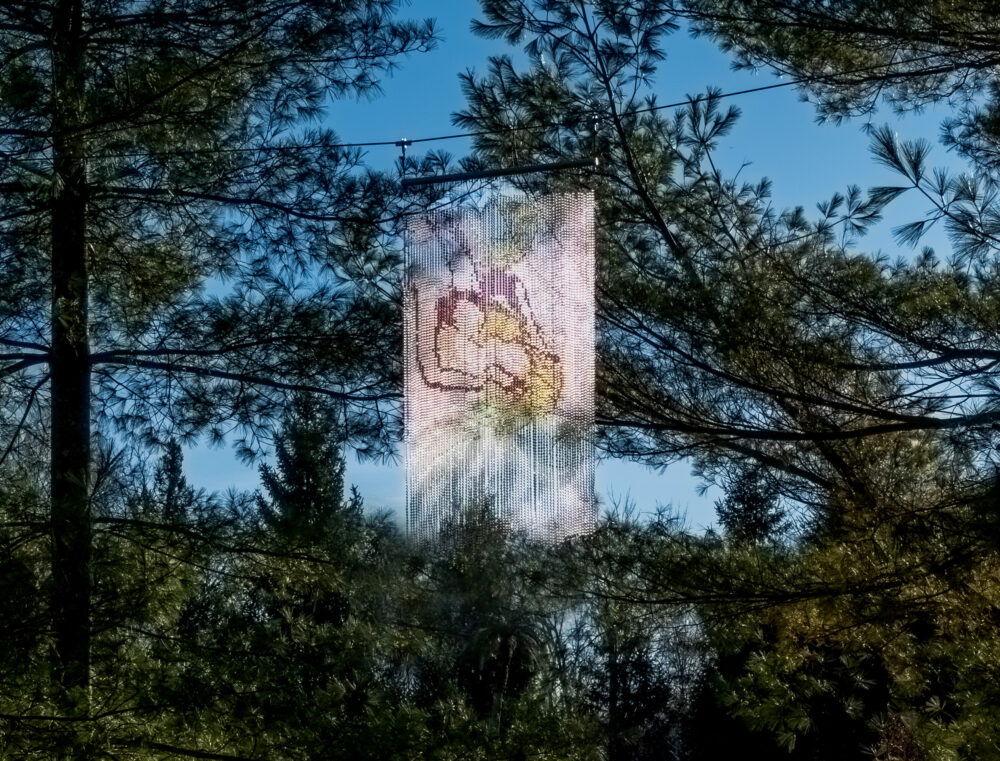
(614,697)
(70,367)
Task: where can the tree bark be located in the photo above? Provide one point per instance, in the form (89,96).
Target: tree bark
(614,699)
(70,366)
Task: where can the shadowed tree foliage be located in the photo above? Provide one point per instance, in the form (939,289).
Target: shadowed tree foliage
(635,662)
(482,595)
(749,511)
(855,55)
(164,186)
(171,492)
(857,52)
(305,488)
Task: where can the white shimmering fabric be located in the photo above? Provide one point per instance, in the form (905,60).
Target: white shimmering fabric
(499,366)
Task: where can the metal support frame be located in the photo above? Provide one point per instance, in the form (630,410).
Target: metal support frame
(409,183)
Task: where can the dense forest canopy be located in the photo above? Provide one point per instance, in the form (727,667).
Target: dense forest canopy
(186,253)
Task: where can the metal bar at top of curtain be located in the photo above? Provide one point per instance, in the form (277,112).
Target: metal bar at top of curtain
(437,179)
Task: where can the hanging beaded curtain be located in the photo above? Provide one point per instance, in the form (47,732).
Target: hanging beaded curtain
(499,366)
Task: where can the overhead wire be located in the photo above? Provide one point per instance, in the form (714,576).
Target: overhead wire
(647,109)
(523,127)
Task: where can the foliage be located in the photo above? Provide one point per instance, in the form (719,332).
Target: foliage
(855,53)
(849,397)
(163,186)
(306,486)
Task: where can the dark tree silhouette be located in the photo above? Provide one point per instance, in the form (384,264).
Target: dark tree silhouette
(305,487)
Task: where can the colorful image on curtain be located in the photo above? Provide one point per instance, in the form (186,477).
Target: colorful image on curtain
(499,366)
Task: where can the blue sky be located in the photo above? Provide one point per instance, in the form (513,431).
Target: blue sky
(777,135)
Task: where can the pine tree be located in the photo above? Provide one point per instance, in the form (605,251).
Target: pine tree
(708,345)
(749,512)
(854,56)
(172,495)
(857,52)
(305,487)
(148,149)
(759,341)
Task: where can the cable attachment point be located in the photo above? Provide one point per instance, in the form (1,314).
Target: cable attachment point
(595,126)
(402,143)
